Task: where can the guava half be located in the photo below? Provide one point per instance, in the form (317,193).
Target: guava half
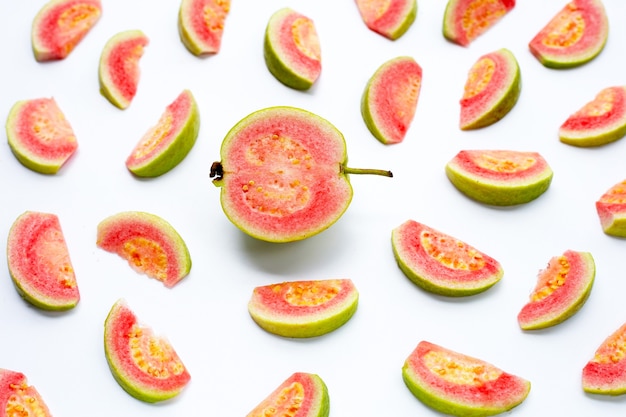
(39,262)
(150,244)
(457,384)
(301,395)
(442,264)
(574,36)
(389,18)
(611,209)
(466,20)
(500,177)
(283,174)
(201,25)
(143,363)
(303,308)
(390,98)
(18,398)
(562,289)
(39,135)
(605,373)
(167,143)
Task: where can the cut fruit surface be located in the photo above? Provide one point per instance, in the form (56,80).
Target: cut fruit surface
(389,18)
(18,398)
(611,209)
(466,20)
(201,25)
(605,373)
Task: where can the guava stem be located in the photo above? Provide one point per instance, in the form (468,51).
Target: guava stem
(367,171)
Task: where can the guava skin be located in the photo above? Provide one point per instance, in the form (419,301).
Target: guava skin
(394,22)
(605,373)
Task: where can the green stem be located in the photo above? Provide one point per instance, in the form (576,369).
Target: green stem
(382,172)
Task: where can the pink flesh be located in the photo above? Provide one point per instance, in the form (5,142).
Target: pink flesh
(309,67)
(123,68)
(210,37)
(483,24)
(14,387)
(389,21)
(602,121)
(275,401)
(466,163)
(612,204)
(607,370)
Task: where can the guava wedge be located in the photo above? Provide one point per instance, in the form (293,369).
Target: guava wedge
(167,143)
(442,264)
(39,262)
(150,244)
(573,37)
(460,385)
(18,398)
(562,289)
(491,90)
(143,363)
(39,135)
(201,25)
(611,209)
(301,395)
(389,18)
(500,177)
(118,72)
(60,25)
(283,174)
(292,49)
(605,373)
(390,99)
(466,20)
(302,309)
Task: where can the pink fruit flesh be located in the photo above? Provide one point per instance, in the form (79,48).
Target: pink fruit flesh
(204,23)
(17,398)
(465,20)
(300,395)
(611,208)
(386,17)
(509,167)
(605,373)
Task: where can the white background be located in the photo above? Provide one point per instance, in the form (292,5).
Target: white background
(233,363)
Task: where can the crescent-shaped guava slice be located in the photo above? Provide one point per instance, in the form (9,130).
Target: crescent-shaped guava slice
(301,395)
(562,289)
(500,177)
(150,244)
(143,363)
(605,373)
(460,385)
(611,209)
(201,25)
(466,20)
(389,18)
(39,262)
(302,309)
(18,398)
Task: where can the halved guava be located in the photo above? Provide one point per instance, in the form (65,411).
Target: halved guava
(611,209)
(465,20)
(18,399)
(389,18)
(605,373)
(442,264)
(150,244)
(39,262)
(292,49)
(283,174)
(303,308)
(39,135)
(390,98)
(60,25)
(562,289)
(167,143)
(301,395)
(118,72)
(456,384)
(499,177)
(492,88)
(201,25)
(574,36)
(143,363)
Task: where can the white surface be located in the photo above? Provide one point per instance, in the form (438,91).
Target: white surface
(233,363)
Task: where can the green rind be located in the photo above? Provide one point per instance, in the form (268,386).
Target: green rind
(599,139)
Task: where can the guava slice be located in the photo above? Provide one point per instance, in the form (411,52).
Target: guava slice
(39,262)
(390,98)
(118,72)
(611,209)
(150,244)
(442,264)
(143,363)
(167,143)
(18,398)
(460,385)
(39,135)
(466,20)
(574,36)
(292,49)
(301,395)
(500,177)
(283,174)
(562,289)
(201,25)
(389,18)
(303,308)
(491,90)
(605,373)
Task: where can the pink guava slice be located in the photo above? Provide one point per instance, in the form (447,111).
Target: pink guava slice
(466,20)
(611,209)
(605,373)
(390,99)
(18,398)
(303,308)
(201,25)
(144,364)
(150,244)
(39,262)
(389,18)
(562,289)
(60,25)
(574,36)
(457,384)
(119,72)
(40,136)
